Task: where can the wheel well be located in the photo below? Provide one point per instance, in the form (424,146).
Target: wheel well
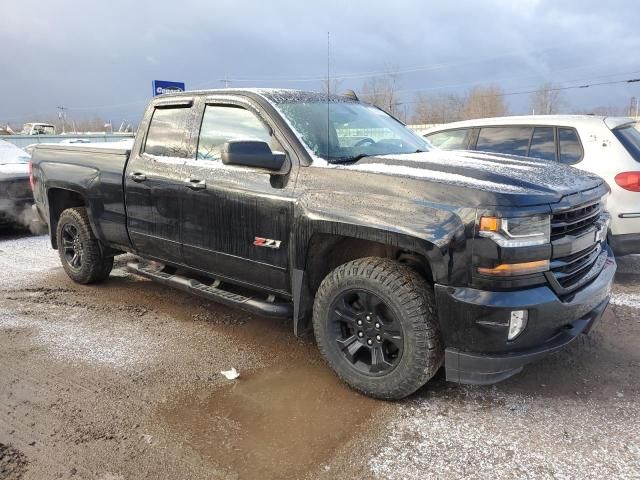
(59,201)
(326,252)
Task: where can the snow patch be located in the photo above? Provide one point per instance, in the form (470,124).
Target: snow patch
(124,345)
(630,300)
(453,435)
(11,168)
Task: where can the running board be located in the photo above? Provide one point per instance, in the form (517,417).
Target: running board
(189,285)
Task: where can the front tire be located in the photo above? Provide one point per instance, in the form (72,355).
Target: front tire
(375,324)
(79,249)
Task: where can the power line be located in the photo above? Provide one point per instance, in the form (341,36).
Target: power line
(378,73)
(503,79)
(552,89)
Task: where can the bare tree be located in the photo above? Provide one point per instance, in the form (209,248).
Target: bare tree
(487,101)
(547,100)
(437,108)
(382,92)
(334,86)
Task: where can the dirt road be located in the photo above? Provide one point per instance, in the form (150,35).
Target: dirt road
(121,381)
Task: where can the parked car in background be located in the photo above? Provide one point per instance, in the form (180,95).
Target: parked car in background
(15,194)
(606,146)
(37,128)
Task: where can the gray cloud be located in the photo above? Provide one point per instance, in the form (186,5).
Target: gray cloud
(101,58)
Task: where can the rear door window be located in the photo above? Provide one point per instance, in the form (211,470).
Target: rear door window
(543,144)
(569,146)
(630,139)
(449,140)
(168,133)
(512,140)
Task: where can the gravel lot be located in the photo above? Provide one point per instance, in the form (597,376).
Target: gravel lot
(121,381)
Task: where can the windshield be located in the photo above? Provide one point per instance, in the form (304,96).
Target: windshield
(354,130)
(630,138)
(9,153)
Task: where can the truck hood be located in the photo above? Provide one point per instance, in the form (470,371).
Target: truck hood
(506,179)
(13,171)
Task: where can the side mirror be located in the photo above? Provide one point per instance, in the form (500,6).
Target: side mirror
(251,153)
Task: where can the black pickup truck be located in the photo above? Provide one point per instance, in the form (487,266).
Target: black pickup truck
(331,212)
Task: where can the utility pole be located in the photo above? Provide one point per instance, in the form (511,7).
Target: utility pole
(634,80)
(226,82)
(62,115)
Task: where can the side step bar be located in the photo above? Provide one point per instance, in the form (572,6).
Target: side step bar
(189,285)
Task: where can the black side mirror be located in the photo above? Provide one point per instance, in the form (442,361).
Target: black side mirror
(251,153)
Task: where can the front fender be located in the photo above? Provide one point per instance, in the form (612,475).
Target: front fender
(434,231)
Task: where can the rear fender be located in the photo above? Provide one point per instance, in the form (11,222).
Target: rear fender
(79,180)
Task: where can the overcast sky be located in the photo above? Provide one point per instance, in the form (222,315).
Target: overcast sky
(99,58)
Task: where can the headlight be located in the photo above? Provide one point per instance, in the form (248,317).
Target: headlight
(517,231)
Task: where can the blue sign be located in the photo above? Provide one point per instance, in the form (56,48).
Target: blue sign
(162,86)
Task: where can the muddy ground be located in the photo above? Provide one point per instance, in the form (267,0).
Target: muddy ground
(121,381)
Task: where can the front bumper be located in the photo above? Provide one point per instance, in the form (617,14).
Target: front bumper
(474,324)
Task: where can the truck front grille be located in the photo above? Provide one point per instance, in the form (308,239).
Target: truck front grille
(568,271)
(574,221)
(572,271)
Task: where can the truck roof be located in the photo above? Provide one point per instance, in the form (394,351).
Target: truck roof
(273,95)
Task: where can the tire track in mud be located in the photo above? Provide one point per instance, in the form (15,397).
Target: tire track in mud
(13,463)
(215,336)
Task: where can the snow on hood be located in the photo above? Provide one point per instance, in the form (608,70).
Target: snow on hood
(495,173)
(10,154)
(14,168)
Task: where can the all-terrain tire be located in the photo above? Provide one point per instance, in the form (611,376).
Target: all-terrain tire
(94,267)
(412,302)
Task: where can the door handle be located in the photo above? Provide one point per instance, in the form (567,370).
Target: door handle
(138,177)
(195,184)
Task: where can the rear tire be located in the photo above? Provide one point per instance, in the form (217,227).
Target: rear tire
(79,249)
(375,323)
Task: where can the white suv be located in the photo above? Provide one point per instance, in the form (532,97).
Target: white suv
(606,146)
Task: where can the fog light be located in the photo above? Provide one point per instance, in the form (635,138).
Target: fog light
(517,323)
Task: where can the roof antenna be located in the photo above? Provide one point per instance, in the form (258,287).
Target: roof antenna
(328,92)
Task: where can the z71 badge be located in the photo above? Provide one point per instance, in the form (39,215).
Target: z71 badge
(266,242)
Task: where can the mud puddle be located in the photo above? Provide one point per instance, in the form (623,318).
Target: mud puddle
(276,422)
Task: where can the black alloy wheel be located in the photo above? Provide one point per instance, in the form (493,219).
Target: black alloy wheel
(81,255)
(376,325)
(72,246)
(366,331)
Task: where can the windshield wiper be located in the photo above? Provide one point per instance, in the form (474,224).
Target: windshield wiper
(355,158)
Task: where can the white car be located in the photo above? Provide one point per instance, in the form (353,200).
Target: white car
(606,146)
